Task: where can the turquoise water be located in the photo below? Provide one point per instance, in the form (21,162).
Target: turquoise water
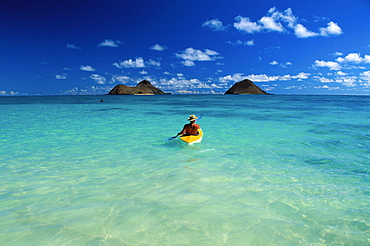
(271,170)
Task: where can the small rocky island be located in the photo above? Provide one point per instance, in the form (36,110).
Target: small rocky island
(143,88)
(246,87)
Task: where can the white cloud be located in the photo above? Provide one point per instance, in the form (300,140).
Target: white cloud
(87,68)
(270,24)
(243,43)
(366,76)
(347,81)
(244,24)
(158,47)
(337,53)
(262,77)
(344,62)
(182,83)
(98,79)
(329,64)
(276,21)
(354,58)
(284,65)
(143,72)
(274,63)
(250,42)
(188,63)
(153,63)
(215,24)
(340,73)
(302,32)
(331,29)
(91,90)
(326,87)
(190,55)
(109,43)
(10,93)
(137,63)
(301,75)
(324,80)
(121,79)
(72,46)
(60,76)
(366,59)
(197,55)
(341,78)
(273,21)
(286,17)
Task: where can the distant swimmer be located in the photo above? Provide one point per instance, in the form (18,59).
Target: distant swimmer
(101,100)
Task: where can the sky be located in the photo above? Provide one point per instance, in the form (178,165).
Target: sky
(87,47)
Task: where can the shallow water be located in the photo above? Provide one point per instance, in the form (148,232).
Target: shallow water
(271,170)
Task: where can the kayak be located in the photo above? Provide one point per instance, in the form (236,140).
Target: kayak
(190,139)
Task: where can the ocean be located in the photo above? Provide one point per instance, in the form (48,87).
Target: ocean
(271,170)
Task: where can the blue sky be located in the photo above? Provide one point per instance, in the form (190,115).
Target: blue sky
(190,46)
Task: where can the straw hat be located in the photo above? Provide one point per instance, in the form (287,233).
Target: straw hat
(192,118)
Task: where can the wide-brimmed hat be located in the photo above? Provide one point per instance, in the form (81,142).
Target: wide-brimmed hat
(192,118)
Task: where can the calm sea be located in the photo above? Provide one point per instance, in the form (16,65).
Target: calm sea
(271,170)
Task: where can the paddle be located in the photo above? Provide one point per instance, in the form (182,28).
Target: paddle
(168,139)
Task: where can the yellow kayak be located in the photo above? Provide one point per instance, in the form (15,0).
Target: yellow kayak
(190,139)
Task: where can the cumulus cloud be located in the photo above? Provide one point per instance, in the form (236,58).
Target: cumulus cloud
(137,63)
(302,32)
(276,21)
(190,55)
(246,25)
(270,23)
(344,62)
(214,24)
(262,77)
(188,63)
(274,63)
(329,64)
(109,43)
(331,29)
(121,79)
(354,58)
(87,68)
(339,77)
(340,73)
(284,65)
(327,87)
(181,83)
(10,93)
(366,77)
(158,47)
(98,79)
(324,80)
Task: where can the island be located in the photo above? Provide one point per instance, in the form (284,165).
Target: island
(246,87)
(143,88)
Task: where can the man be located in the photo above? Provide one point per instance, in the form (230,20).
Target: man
(191,128)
